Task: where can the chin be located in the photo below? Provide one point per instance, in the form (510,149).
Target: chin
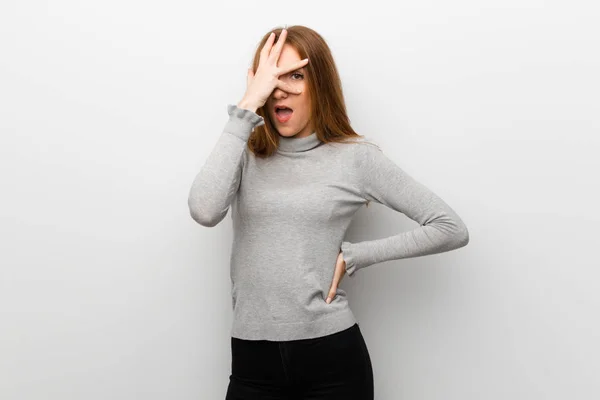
(285,132)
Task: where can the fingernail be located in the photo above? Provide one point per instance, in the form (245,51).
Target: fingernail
(328,300)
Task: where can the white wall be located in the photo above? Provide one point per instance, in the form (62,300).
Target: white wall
(109,290)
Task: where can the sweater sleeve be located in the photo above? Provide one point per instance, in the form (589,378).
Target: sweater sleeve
(217,182)
(380,180)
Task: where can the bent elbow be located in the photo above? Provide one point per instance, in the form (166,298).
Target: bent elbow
(204,215)
(457,236)
(460,237)
(204,219)
(463,236)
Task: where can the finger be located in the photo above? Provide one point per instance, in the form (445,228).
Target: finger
(264,53)
(342,265)
(286,87)
(331,294)
(293,67)
(274,55)
(334,285)
(249,77)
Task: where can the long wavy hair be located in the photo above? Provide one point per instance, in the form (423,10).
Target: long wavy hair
(328,108)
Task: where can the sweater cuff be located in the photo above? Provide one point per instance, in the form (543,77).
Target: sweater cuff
(241,121)
(349,257)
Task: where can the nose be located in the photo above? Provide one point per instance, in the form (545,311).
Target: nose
(279,94)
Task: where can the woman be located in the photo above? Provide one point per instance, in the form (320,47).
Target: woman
(294,173)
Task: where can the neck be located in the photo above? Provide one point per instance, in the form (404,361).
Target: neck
(293,144)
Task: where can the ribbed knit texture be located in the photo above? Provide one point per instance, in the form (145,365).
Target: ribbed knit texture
(290,213)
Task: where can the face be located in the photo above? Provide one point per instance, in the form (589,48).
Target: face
(296,124)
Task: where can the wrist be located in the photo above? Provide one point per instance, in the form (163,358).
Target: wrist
(248,105)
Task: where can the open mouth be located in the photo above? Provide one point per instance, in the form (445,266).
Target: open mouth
(283,113)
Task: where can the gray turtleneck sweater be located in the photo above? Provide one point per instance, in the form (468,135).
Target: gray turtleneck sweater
(290,213)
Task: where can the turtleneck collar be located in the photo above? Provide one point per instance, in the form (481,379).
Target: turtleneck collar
(292,144)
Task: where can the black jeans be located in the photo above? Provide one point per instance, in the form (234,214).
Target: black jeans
(331,367)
